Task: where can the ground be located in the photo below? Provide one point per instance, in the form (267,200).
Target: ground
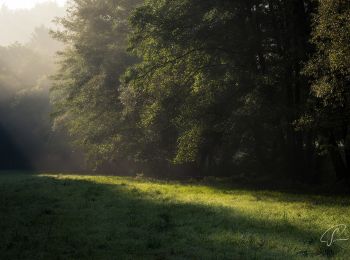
(99,217)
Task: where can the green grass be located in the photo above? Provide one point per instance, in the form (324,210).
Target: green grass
(87,217)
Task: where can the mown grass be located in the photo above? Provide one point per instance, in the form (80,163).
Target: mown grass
(90,217)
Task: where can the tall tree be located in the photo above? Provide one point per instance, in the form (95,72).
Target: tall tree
(219,79)
(86,91)
(330,73)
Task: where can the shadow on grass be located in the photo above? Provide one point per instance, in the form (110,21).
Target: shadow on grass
(49,218)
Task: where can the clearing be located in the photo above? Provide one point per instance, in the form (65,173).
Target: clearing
(98,217)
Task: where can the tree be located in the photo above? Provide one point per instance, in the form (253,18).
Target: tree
(329,70)
(219,79)
(42,42)
(210,84)
(86,90)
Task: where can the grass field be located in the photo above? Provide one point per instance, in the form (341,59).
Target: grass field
(87,217)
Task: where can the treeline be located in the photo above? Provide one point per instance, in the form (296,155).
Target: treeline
(217,87)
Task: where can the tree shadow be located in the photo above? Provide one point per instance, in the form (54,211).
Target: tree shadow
(52,218)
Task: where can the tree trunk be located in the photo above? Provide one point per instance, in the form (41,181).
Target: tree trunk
(337,160)
(347,152)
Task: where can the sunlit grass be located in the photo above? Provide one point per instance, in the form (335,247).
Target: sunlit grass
(70,217)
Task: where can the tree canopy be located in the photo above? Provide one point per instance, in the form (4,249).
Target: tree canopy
(213,85)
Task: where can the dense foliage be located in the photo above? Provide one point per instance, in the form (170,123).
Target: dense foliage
(220,80)
(330,70)
(209,84)
(86,91)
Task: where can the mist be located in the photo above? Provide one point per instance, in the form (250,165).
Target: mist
(27,61)
(18,25)
(175,129)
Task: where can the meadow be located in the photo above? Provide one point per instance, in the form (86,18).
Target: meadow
(57,216)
